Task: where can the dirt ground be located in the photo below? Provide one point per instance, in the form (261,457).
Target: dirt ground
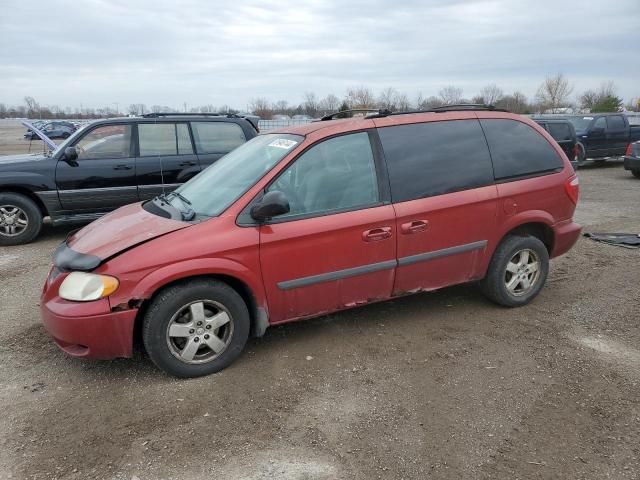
(442,385)
(12,141)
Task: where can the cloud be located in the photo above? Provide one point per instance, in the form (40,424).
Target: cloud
(98,52)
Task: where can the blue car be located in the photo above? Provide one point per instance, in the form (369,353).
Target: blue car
(52,129)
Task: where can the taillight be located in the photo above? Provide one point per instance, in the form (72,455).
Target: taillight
(572,187)
(576,151)
(627,152)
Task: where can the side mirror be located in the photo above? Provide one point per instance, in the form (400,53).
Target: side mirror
(272,204)
(70,156)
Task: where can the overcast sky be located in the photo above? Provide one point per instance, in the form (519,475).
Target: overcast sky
(97,52)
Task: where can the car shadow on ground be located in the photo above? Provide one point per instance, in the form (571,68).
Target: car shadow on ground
(430,309)
(426,310)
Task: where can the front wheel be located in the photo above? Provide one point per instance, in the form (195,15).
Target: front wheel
(635,173)
(20,219)
(517,272)
(196,328)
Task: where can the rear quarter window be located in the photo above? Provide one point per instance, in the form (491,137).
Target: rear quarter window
(559,131)
(427,159)
(517,150)
(217,137)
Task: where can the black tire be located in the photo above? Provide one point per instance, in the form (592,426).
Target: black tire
(581,160)
(494,285)
(11,232)
(164,311)
(66,135)
(635,173)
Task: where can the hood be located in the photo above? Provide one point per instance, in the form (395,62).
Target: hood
(25,158)
(109,235)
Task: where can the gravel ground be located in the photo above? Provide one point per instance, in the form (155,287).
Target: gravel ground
(441,385)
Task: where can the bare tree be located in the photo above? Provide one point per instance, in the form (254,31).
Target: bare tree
(402,102)
(329,104)
(134,109)
(515,102)
(281,107)
(554,93)
(3,110)
(360,97)
(32,106)
(261,107)
(430,102)
(450,95)
(310,104)
(491,94)
(388,98)
(590,98)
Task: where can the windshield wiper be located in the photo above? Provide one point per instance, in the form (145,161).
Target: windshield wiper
(181,197)
(186,212)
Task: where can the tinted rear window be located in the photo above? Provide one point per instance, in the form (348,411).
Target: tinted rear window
(559,131)
(615,122)
(217,137)
(518,150)
(427,159)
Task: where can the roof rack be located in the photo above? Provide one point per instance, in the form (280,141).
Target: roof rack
(379,113)
(181,114)
(461,107)
(330,116)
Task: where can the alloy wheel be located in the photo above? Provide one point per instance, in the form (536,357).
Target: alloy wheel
(199,332)
(13,220)
(522,272)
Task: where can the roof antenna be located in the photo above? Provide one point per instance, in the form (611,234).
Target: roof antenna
(155,122)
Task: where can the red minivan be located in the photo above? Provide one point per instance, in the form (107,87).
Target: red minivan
(313,219)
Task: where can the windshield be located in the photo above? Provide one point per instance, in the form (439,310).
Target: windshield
(580,123)
(214,189)
(66,143)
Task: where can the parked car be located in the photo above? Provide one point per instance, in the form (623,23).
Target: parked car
(562,132)
(110,163)
(53,129)
(603,135)
(313,219)
(632,159)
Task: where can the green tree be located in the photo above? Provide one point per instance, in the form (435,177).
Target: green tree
(608,103)
(343,108)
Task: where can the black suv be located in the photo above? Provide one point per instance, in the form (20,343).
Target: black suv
(110,163)
(563,132)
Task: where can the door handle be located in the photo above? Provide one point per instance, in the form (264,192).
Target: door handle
(122,167)
(376,234)
(188,164)
(414,226)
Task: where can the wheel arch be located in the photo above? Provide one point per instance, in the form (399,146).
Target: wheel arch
(540,230)
(27,193)
(258,314)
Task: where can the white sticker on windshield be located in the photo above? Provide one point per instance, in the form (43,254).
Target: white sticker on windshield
(283,143)
(587,118)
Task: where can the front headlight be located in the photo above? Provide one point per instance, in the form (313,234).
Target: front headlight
(85,287)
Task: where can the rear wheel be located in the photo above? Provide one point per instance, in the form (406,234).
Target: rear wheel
(517,272)
(635,173)
(20,219)
(196,329)
(581,157)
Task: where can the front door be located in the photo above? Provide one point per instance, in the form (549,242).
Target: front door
(597,143)
(617,135)
(444,196)
(165,158)
(103,177)
(336,248)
